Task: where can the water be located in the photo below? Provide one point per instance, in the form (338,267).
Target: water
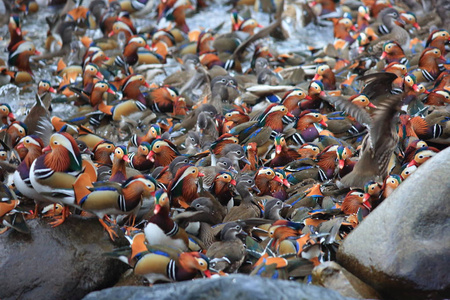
(36,28)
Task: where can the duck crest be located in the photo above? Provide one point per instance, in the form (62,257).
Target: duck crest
(57,159)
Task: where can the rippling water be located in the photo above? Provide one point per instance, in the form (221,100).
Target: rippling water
(21,99)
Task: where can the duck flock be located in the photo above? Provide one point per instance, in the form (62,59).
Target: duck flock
(245,159)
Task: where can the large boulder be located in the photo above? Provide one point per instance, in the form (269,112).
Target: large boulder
(65,262)
(235,286)
(402,248)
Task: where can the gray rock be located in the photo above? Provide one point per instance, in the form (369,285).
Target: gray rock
(402,248)
(65,262)
(235,286)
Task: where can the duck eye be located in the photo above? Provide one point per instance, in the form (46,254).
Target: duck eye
(420,156)
(157,146)
(361,195)
(239,152)
(193,171)
(225,176)
(197,205)
(249,181)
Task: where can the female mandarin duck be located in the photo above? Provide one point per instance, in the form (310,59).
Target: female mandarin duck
(6,114)
(162,152)
(34,145)
(326,75)
(161,229)
(53,174)
(248,208)
(164,263)
(20,54)
(106,198)
(283,154)
(263,178)
(222,187)
(118,172)
(153,133)
(182,189)
(138,160)
(229,253)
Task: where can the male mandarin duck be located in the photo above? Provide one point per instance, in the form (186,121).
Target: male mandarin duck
(251,151)
(162,152)
(229,253)
(422,155)
(161,229)
(6,114)
(307,128)
(222,187)
(363,18)
(175,11)
(283,154)
(237,115)
(182,188)
(107,198)
(20,54)
(102,152)
(248,208)
(390,184)
(12,135)
(308,150)
(15,31)
(292,99)
(223,140)
(21,177)
(372,194)
(316,90)
(393,52)
(438,38)
(53,174)
(96,97)
(326,76)
(418,127)
(331,157)
(342,29)
(130,87)
(121,27)
(130,56)
(160,263)
(91,74)
(438,98)
(429,65)
(95,55)
(138,160)
(355,201)
(118,172)
(263,178)
(162,99)
(282,230)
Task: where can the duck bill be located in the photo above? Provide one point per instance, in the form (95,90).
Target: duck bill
(367,17)
(322,122)
(416,88)
(147,47)
(255,188)
(207,273)
(37,52)
(317,77)
(109,90)
(106,58)
(383,55)
(286,183)
(233,182)
(20,146)
(412,163)
(52,90)
(111,33)
(417,26)
(341,164)
(278,179)
(307,97)
(18,31)
(146,84)
(46,149)
(99,75)
(157,209)
(322,94)
(245,160)
(126,158)
(278,149)
(367,205)
(372,105)
(200,174)
(150,156)
(11,116)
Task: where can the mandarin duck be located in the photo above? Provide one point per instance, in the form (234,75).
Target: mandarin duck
(6,114)
(110,198)
(182,189)
(162,99)
(390,184)
(15,31)
(393,52)
(53,174)
(291,100)
(130,56)
(161,229)
(160,263)
(130,87)
(430,65)
(91,74)
(210,172)
(283,154)
(263,178)
(222,187)
(162,152)
(326,76)
(307,127)
(11,215)
(138,160)
(354,201)
(102,152)
(20,54)
(21,177)
(438,97)
(422,155)
(229,253)
(120,158)
(247,209)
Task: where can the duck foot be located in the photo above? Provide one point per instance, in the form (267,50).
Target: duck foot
(109,229)
(60,219)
